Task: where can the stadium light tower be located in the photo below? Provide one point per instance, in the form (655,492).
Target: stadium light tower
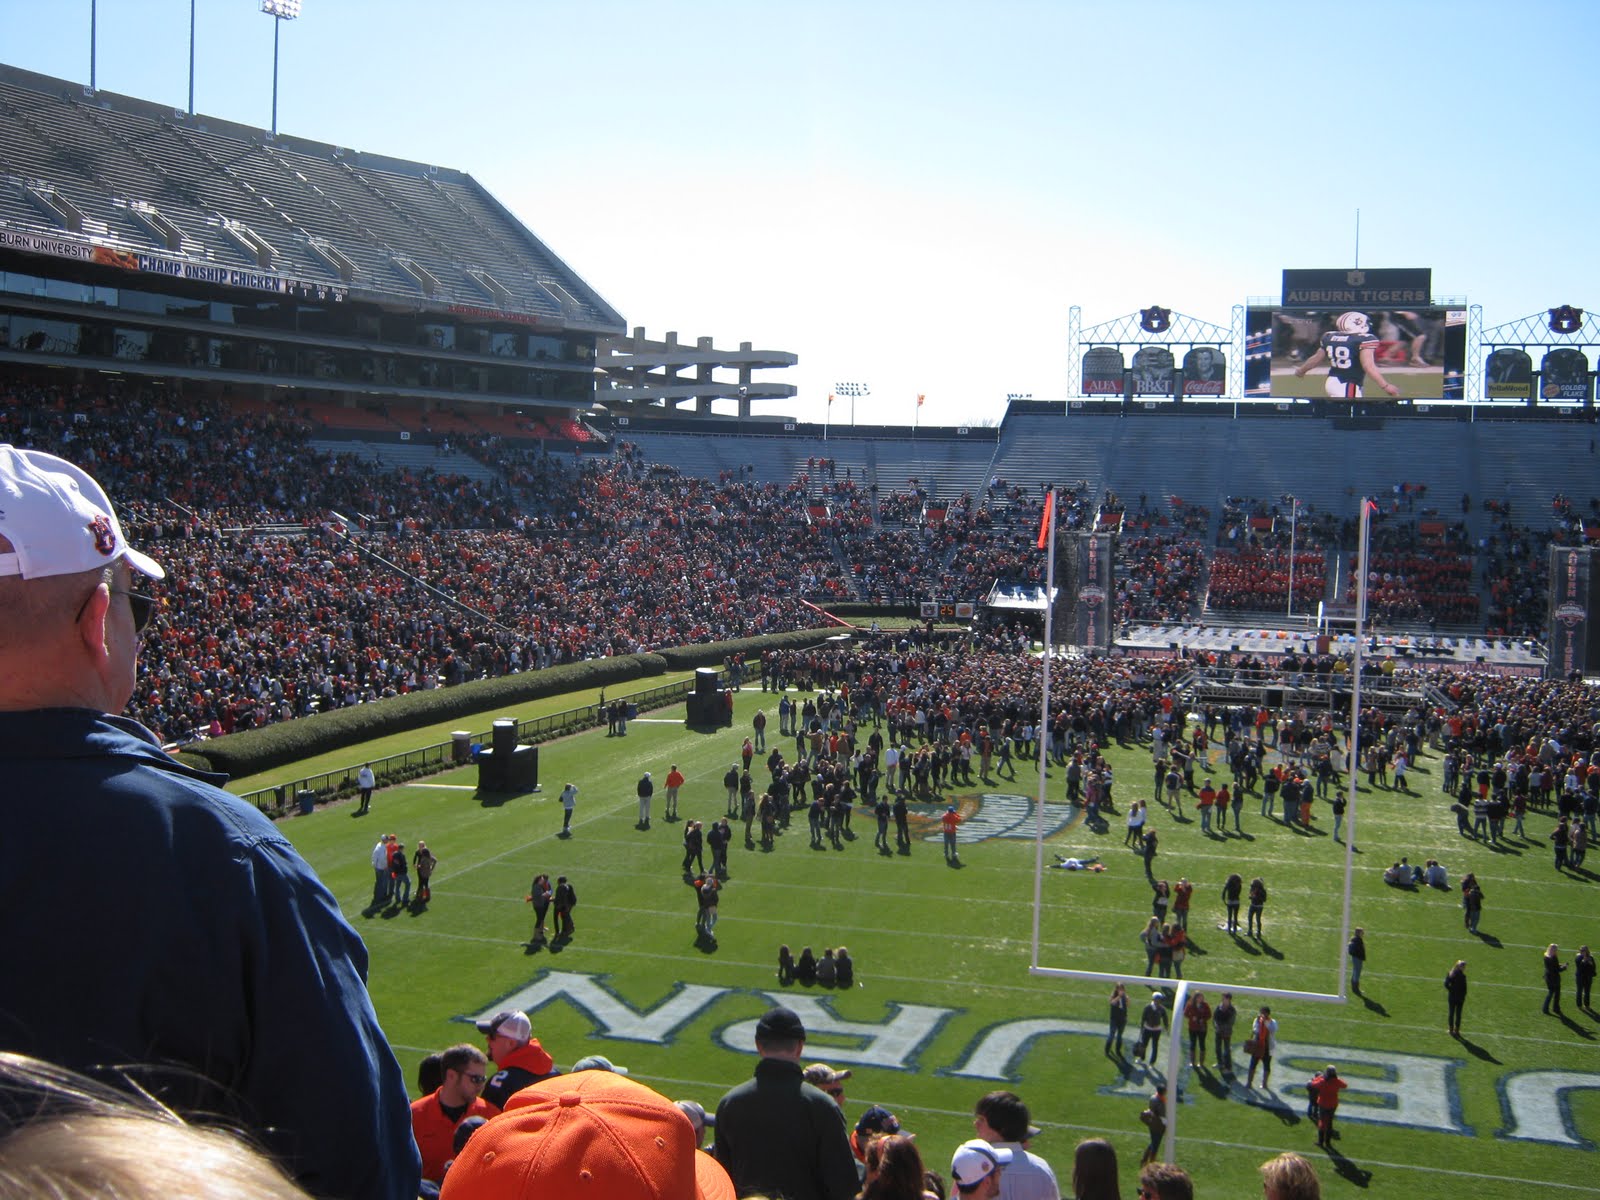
(852,390)
(280,11)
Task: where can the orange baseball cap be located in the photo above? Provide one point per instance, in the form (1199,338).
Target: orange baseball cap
(592,1133)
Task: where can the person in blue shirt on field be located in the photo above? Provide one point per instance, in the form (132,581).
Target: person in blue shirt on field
(214,971)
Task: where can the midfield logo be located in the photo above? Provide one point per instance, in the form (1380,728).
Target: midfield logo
(990,815)
(1414,1091)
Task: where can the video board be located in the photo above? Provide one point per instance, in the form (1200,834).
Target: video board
(1341,354)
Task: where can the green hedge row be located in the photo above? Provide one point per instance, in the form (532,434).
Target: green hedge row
(714,654)
(257,750)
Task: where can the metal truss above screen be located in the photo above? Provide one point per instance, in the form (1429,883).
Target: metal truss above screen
(1163,329)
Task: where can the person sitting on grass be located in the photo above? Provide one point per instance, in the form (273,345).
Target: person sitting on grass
(845,968)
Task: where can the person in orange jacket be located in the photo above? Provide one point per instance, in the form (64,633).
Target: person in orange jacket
(1325,1089)
(674,782)
(435,1116)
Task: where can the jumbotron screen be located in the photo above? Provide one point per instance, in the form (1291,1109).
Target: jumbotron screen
(1351,354)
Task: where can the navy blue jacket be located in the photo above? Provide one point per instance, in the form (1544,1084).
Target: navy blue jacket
(149,919)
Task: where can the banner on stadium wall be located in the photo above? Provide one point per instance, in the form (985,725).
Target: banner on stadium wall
(1152,371)
(34,243)
(1205,372)
(1569,610)
(172,268)
(1564,375)
(1102,371)
(1092,616)
(1508,375)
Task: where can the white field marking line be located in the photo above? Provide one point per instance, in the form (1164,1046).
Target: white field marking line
(1110,948)
(447,787)
(1260,865)
(1328,1017)
(986,942)
(625,804)
(1282,915)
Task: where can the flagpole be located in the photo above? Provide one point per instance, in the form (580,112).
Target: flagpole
(1047,531)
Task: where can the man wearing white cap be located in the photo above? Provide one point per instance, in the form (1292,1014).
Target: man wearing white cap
(518,1057)
(976,1169)
(216,972)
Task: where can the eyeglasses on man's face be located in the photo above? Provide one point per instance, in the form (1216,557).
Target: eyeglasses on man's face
(140,606)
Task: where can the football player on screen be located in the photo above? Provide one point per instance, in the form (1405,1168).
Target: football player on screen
(1350,350)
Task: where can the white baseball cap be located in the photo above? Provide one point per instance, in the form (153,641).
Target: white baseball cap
(975,1161)
(508,1024)
(58,520)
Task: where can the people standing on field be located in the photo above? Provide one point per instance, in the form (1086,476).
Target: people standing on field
(1455,991)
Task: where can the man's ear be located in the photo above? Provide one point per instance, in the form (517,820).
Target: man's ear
(92,621)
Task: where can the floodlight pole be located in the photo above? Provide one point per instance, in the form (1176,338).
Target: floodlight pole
(191,57)
(93,29)
(277,27)
(280,11)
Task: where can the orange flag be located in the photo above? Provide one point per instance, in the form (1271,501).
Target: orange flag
(1044,523)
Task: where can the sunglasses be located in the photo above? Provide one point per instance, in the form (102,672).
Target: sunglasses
(141,606)
(474,1078)
(835,1092)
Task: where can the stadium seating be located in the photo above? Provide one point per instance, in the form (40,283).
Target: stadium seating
(107,154)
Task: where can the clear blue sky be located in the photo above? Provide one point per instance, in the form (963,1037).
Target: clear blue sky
(914,194)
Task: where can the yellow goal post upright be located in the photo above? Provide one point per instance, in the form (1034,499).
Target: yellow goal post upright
(1047,536)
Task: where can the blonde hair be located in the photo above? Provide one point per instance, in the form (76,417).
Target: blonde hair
(1290,1177)
(86,1141)
(87,1156)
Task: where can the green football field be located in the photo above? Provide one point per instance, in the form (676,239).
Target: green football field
(944,1008)
(1415,383)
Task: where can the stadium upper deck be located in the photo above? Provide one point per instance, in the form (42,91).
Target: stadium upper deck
(194,192)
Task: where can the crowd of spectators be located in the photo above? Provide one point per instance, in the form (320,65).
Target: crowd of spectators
(302,580)
(1258,580)
(1419,571)
(1515,561)
(1247,522)
(988,681)
(1516,572)
(1573,526)
(1159,575)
